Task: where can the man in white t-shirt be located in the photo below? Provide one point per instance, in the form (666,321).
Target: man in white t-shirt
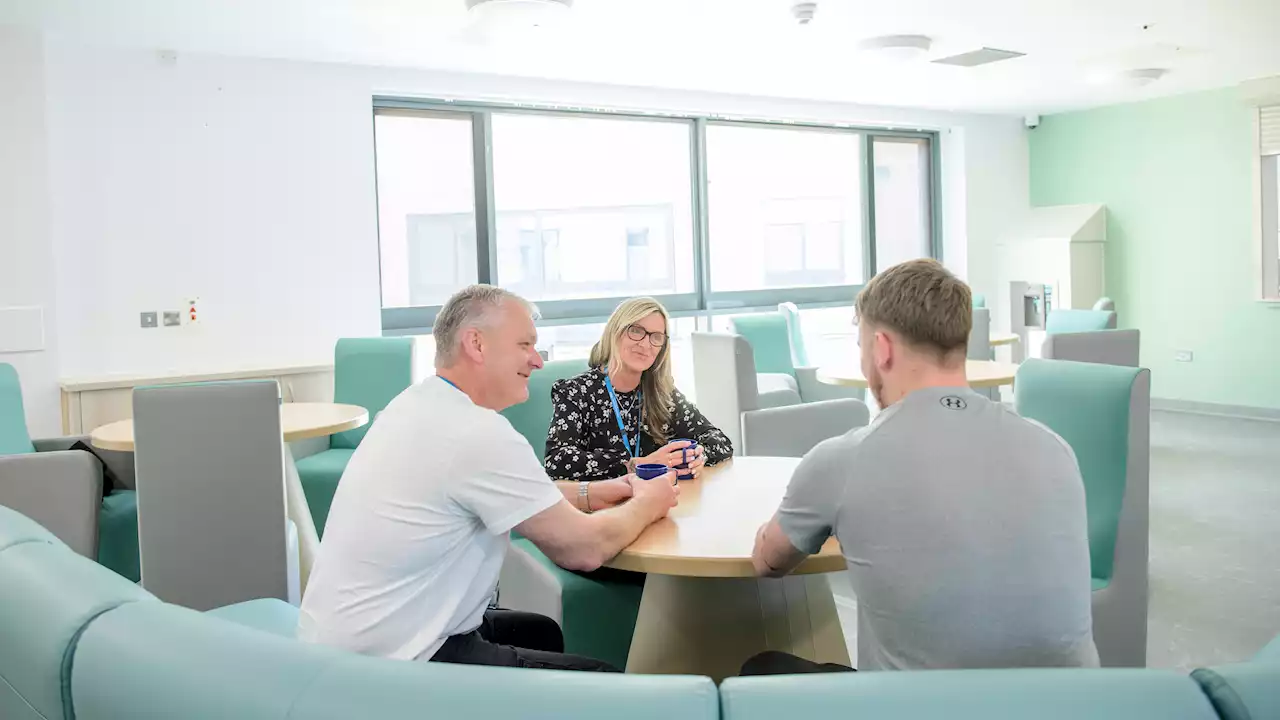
(419,526)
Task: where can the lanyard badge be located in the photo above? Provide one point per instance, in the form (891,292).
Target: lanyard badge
(617,414)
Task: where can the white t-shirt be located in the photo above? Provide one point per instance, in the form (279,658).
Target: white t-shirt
(418,529)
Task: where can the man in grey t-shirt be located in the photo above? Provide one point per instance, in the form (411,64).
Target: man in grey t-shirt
(962,523)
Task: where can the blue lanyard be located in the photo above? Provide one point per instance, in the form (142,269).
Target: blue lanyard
(617,414)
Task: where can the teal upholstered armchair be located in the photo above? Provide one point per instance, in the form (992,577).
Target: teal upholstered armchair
(1104,414)
(597,616)
(780,380)
(368,372)
(1067,320)
(62,489)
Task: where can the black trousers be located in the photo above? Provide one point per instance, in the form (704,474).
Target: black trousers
(773,662)
(509,638)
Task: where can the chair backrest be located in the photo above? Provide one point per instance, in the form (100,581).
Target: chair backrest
(980,335)
(48,594)
(979,300)
(769,339)
(162,661)
(1040,693)
(1243,691)
(532,418)
(1066,320)
(724,378)
(210,477)
(13,420)
(791,313)
(1103,412)
(1105,304)
(369,372)
(1110,347)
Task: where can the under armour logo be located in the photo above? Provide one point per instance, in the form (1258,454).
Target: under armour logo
(951,402)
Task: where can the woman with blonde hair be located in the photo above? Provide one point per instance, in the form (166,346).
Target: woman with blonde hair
(625,409)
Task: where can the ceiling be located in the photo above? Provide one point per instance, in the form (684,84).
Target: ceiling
(739,46)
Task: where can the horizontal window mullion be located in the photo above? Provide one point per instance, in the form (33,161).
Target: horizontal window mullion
(732,300)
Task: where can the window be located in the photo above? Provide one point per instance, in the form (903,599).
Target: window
(592,208)
(576,209)
(1268,194)
(902,213)
(426,206)
(784,207)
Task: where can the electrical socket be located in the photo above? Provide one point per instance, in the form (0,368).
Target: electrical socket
(149,320)
(1183,356)
(172,318)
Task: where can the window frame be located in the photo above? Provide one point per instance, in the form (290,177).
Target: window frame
(702,300)
(1266,213)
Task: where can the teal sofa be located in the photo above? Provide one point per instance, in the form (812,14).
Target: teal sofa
(368,372)
(82,643)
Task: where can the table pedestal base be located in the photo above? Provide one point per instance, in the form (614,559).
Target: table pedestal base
(711,626)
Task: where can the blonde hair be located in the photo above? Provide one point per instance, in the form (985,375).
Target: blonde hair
(924,303)
(657,383)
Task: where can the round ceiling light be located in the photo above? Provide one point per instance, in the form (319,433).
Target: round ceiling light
(518,14)
(1142,76)
(901,48)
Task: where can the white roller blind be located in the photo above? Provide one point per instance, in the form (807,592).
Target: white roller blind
(1269,129)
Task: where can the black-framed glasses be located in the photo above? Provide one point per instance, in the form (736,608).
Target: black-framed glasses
(637,333)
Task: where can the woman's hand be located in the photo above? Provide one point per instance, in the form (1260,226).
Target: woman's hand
(668,454)
(603,494)
(697,459)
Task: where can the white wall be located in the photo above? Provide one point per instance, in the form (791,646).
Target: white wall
(26,255)
(250,184)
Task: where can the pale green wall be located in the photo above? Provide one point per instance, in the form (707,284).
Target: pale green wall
(1175,176)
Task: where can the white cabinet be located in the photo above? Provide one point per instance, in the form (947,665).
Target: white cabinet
(88,403)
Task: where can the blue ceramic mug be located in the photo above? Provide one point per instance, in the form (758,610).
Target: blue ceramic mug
(649,471)
(682,470)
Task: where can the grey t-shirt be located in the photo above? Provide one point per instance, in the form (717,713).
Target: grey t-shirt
(964,528)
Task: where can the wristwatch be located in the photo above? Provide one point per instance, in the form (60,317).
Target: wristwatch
(584,500)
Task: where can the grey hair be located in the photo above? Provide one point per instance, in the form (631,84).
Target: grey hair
(472,306)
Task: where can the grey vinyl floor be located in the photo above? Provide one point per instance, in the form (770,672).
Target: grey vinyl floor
(1215,541)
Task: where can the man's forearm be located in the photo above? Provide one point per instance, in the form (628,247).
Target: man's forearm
(616,528)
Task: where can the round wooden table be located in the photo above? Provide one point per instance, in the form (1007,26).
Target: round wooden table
(298,421)
(704,611)
(998,339)
(981,374)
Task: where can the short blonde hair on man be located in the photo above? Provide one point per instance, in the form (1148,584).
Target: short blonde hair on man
(921,301)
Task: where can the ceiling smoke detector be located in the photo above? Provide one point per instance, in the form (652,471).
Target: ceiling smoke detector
(901,48)
(803,12)
(514,14)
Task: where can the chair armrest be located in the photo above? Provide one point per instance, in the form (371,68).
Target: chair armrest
(58,443)
(61,490)
(814,390)
(118,462)
(794,430)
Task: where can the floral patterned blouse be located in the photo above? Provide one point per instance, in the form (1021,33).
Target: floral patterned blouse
(584,443)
